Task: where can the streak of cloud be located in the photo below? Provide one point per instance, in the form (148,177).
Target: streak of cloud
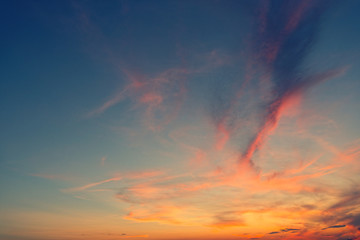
(290,230)
(334,226)
(91,185)
(120,176)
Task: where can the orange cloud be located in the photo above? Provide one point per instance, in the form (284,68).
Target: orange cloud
(222,136)
(163,214)
(228,223)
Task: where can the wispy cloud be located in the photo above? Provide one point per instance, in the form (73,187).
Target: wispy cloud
(282,40)
(163,214)
(91,185)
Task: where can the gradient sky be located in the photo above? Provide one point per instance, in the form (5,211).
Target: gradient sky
(180,120)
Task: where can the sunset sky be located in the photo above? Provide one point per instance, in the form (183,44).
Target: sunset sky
(180,120)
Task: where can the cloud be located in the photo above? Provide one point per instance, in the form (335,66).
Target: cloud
(286,230)
(350,199)
(109,103)
(282,40)
(334,226)
(275,81)
(161,190)
(227,219)
(160,95)
(162,214)
(120,176)
(93,184)
(276,77)
(356,221)
(290,230)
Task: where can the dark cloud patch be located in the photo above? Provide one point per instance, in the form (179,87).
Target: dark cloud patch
(356,221)
(290,230)
(345,210)
(309,206)
(334,226)
(350,199)
(227,219)
(286,230)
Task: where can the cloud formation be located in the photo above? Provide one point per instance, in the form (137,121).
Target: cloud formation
(282,39)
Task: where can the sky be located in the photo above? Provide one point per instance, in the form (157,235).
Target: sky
(180,120)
